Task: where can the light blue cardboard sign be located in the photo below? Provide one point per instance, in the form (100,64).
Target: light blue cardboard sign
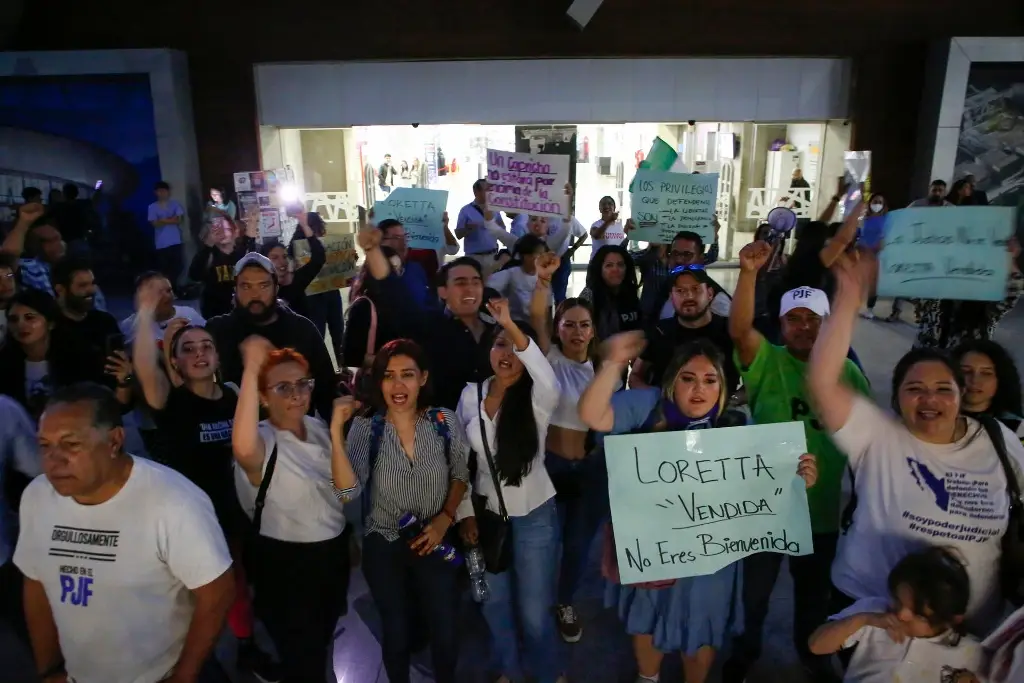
(665,203)
(420,211)
(947,252)
(690,503)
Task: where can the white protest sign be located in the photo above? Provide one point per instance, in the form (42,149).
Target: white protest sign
(528,183)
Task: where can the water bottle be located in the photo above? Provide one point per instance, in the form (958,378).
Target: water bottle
(410,527)
(477,578)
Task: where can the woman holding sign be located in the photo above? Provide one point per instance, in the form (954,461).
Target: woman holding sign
(506,420)
(932,476)
(694,616)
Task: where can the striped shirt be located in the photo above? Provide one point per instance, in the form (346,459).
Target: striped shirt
(400,485)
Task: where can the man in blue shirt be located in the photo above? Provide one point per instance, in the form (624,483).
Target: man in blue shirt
(166,216)
(470,225)
(412,275)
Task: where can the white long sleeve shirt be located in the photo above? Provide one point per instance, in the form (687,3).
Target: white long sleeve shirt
(536,487)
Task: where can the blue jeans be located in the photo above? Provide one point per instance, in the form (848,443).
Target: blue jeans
(526,593)
(560,280)
(582,497)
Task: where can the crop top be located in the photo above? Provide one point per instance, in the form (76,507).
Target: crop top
(573,378)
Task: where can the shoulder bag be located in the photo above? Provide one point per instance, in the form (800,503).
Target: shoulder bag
(495,529)
(261,494)
(1011,563)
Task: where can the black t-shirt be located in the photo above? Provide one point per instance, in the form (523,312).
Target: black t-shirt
(216,270)
(668,335)
(195,439)
(88,342)
(289,330)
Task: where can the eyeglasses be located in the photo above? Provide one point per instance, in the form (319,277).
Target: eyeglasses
(693,267)
(302,387)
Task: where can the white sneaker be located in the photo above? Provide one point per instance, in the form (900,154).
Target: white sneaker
(868,314)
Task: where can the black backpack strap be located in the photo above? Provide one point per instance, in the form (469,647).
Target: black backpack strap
(376,434)
(436,418)
(261,495)
(846,518)
(995,434)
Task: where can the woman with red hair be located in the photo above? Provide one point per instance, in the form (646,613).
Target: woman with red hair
(299,562)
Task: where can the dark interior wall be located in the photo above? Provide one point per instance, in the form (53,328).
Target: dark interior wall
(887,39)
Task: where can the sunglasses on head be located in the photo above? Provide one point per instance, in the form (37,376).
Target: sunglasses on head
(693,267)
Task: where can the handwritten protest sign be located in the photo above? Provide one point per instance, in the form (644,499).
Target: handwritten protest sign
(420,211)
(341,262)
(690,503)
(946,253)
(527,183)
(666,203)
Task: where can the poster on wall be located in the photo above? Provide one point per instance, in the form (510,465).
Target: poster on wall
(560,140)
(991,144)
(242,183)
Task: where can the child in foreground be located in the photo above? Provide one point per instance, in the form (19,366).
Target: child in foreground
(915,635)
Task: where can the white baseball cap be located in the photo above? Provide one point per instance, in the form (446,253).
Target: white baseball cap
(805,297)
(254,258)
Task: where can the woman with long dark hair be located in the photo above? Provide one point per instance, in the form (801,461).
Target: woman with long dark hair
(694,616)
(919,478)
(612,291)
(34,361)
(576,469)
(409,458)
(506,421)
(960,193)
(992,383)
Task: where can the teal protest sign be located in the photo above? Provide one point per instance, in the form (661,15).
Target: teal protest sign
(948,252)
(420,211)
(665,203)
(690,503)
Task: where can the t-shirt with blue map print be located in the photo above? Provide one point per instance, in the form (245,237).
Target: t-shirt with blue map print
(911,494)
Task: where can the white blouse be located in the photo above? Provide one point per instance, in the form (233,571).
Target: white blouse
(536,487)
(302,505)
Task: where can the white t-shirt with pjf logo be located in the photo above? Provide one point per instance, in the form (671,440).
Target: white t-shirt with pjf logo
(119,575)
(912,494)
